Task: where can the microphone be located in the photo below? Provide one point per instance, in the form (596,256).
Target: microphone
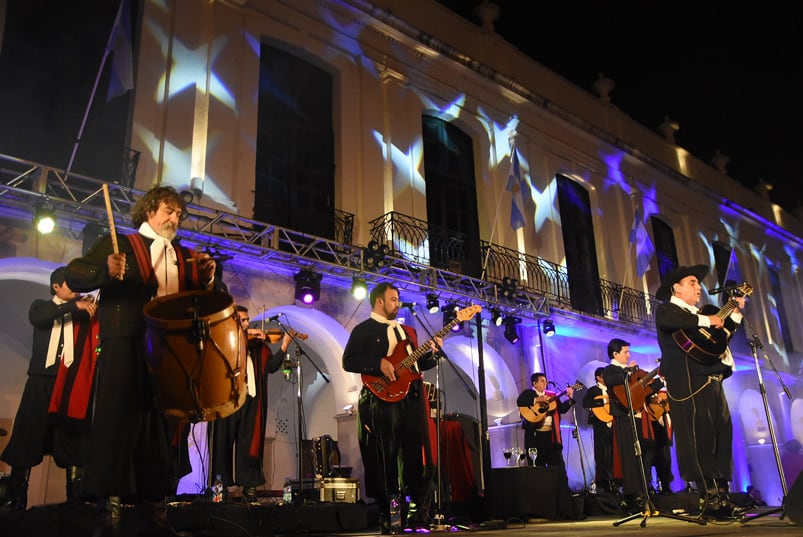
(410,305)
(287,366)
(725,289)
(274,318)
(552,383)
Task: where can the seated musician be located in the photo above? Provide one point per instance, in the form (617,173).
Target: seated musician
(542,423)
(626,463)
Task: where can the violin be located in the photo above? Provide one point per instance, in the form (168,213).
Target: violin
(274,335)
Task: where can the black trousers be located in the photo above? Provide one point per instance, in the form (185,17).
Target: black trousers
(395,446)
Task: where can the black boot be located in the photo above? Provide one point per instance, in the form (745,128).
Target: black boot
(75,479)
(18,490)
(108,524)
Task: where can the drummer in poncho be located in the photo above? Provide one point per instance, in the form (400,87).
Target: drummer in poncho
(129,452)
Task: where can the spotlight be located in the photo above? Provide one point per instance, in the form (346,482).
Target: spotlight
(496,316)
(44,219)
(308,286)
(358,288)
(509,288)
(449,315)
(510,328)
(432,303)
(374,255)
(549,328)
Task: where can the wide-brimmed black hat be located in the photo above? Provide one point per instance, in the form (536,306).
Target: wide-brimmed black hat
(665,291)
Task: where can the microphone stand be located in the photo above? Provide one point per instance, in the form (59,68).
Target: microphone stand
(299,404)
(647,507)
(576,434)
(439,517)
(755,344)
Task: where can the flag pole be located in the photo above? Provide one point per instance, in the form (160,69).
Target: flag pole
(94,90)
(484,274)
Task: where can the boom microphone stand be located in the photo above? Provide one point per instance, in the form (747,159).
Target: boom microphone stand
(287,366)
(438,517)
(648,508)
(755,344)
(576,434)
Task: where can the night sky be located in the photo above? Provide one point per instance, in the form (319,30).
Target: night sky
(731,75)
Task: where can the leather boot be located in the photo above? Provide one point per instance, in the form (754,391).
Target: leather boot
(18,490)
(75,478)
(108,524)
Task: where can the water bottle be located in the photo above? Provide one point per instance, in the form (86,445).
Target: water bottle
(287,494)
(395,515)
(217,489)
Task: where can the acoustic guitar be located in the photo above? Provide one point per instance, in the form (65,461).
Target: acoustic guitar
(658,405)
(537,412)
(640,388)
(393,392)
(602,413)
(707,344)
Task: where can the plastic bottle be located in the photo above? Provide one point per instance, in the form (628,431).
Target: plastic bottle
(287,494)
(395,515)
(217,489)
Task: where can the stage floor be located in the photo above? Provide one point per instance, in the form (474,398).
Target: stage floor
(271,518)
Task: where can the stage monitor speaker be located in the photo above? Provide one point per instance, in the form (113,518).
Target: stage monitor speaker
(793,507)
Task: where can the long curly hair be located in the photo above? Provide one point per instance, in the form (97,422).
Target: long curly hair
(151,200)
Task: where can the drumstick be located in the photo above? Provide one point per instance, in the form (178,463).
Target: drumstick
(111,218)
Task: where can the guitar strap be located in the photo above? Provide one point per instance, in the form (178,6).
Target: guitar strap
(402,340)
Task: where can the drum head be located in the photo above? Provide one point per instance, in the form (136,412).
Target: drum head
(180,309)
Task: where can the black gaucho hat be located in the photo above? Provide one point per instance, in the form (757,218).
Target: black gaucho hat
(665,291)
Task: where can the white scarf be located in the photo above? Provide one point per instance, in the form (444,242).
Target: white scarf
(393,340)
(164,260)
(61,325)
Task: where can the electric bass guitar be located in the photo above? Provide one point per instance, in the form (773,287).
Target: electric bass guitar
(395,391)
(537,412)
(706,345)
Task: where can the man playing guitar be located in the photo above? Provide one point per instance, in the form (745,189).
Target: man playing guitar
(544,435)
(392,434)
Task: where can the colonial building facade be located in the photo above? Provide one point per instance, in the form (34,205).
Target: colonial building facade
(394,141)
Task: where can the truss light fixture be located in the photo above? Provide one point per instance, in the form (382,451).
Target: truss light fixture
(433,305)
(308,286)
(450,314)
(548,328)
(374,255)
(511,334)
(509,288)
(496,317)
(44,219)
(358,287)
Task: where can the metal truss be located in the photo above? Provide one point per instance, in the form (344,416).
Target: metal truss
(80,201)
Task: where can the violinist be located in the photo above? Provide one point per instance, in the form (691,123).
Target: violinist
(239,439)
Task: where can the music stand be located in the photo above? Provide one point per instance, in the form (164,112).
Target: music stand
(755,344)
(647,507)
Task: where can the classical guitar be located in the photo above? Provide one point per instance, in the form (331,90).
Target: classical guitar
(707,344)
(392,392)
(658,405)
(602,413)
(640,388)
(537,412)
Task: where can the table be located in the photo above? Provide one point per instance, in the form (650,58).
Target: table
(528,491)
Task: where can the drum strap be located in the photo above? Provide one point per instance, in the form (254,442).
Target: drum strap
(187,279)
